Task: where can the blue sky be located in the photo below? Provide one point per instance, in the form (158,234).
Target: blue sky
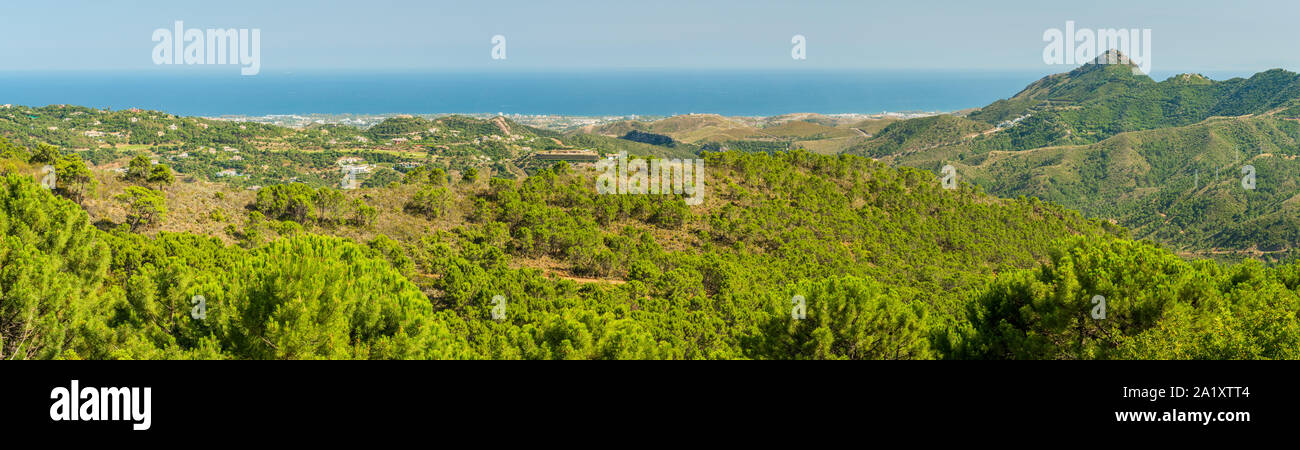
(1203,36)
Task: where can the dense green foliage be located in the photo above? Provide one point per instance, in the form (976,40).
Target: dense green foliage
(747,146)
(1096,101)
(792,255)
(398,127)
(250,155)
(890,266)
(1154,157)
(649,138)
(1182,186)
(145,206)
(915,135)
(1157,307)
(302,204)
(612,145)
(1087,105)
(52,270)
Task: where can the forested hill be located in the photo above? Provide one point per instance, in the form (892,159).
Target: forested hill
(888,265)
(1166,159)
(1097,101)
(1185,186)
(249,154)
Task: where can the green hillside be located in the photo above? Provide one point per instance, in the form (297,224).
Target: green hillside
(447,249)
(251,155)
(1179,185)
(889,265)
(612,145)
(920,135)
(1163,159)
(804,130)
(1095,102)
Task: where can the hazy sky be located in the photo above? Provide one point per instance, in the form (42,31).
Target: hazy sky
(1203,36)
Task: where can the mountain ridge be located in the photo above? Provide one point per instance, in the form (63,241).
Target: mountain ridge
(1120,146)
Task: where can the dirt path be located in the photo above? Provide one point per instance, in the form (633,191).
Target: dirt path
(556,269)
(500,122)
(584,280)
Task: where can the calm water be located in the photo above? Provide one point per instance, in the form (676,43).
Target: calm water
(592,93)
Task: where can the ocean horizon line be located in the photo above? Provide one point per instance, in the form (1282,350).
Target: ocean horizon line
(737,93)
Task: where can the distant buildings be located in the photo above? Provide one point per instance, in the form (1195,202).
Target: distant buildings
(1012,122)
(350,173)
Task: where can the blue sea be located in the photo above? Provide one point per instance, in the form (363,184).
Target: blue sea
(596,93)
